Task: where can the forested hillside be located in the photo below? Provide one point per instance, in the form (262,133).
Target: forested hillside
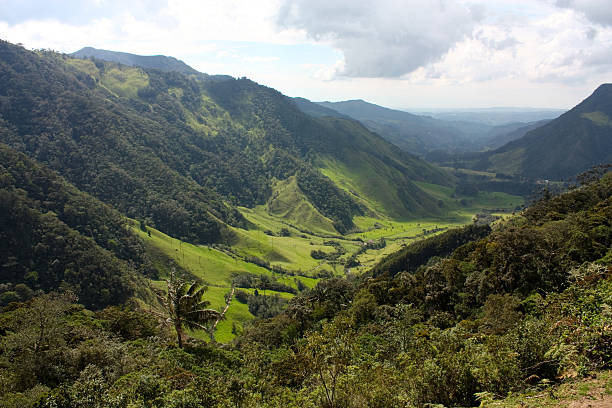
(522,308)
(103,144)
(178,150)
(562,148)
(52,236)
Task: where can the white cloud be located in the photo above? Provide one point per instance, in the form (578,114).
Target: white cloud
(387,50)
(386,38)
(143,26)
(598,11)
(561,47)
(449,43)
(260,59)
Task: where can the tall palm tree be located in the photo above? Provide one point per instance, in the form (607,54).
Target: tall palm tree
(186,307)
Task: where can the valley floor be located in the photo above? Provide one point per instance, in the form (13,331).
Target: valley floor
(278,249)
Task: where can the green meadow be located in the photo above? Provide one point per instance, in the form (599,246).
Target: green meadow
(284,238)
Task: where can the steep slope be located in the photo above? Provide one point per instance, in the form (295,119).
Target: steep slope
(568,145)
(53,236)
(79,119)
(176,149)
(366,159)
(228,93)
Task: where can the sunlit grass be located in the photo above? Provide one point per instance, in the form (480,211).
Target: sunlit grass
(125,81)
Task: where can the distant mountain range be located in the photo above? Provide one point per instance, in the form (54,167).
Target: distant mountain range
(554,149)
(452,132)
(493,116)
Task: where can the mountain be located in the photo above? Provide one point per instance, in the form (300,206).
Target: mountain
(441,132)
(181,151)
(412,133)
(317,109)
(371,170)
(574,142)
(86,123)
(493,116)
(159,62)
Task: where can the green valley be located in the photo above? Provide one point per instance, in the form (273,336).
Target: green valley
(170,238)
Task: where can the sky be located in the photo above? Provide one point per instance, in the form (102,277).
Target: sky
(403,54)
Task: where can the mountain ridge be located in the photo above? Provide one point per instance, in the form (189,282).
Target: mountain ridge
(577,140)
(413,133)
(180,150)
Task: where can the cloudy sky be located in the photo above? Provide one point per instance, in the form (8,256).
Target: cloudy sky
(399,53)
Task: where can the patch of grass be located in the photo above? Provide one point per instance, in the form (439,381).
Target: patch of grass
(597,117)
(289,203)
(508,162)
(125,81)
(209,264)
(262,292)
(484,200)
(471,172)
(290,252)
(84,65)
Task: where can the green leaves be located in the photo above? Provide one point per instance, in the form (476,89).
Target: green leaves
(186,308)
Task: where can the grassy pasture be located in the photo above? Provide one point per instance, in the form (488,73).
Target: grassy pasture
(281,240)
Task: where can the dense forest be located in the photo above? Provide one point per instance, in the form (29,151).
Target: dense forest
(460,319)
(179,150)
(53,237)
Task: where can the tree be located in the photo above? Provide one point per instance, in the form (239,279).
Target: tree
(35,349)
(186,307)
(329,354)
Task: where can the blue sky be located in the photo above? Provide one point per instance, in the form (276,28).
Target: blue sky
(399,53)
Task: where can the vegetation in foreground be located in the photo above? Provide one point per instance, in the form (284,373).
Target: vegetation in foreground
(525,307)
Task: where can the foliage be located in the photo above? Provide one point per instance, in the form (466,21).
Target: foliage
(418,253)
(53,236)
(186,308)
(111,148)
(261,282)
(456,320)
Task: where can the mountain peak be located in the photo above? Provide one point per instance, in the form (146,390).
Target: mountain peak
(602,91)
(160,62)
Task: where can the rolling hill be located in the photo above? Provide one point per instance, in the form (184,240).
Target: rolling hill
(503,134)
(439,133)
